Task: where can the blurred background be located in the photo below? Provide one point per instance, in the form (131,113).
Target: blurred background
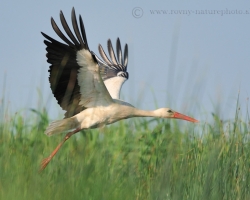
(192,57)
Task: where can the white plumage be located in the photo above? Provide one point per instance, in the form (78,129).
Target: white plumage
(87,87)
(114,86)
(92,89)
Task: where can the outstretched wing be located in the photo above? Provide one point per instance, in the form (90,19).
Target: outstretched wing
(114,70)
(75,78)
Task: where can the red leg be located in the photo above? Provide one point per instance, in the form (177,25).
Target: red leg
(46,161)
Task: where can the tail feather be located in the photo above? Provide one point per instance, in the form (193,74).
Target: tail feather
(61,126)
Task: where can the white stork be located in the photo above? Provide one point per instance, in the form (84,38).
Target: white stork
(88,88)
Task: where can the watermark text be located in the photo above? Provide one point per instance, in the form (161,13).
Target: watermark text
(137,12)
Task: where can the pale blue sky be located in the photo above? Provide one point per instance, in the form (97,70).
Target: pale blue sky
(190,63)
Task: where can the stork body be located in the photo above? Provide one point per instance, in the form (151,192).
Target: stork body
(98,117)
(87,87)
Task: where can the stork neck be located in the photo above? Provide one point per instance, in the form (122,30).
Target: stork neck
(144,113)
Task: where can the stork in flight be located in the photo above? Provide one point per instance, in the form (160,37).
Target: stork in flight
(87,87)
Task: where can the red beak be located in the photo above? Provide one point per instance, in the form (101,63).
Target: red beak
(184,117)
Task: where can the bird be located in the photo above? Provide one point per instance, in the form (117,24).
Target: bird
(88,87)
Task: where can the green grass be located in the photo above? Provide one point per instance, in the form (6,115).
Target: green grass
(128,160)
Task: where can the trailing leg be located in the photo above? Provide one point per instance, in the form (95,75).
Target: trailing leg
(46,161)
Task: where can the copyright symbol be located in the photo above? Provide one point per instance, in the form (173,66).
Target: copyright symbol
(137,12)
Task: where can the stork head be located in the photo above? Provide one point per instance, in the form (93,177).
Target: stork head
(169,113)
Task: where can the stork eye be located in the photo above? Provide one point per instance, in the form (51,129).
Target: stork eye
(170,111)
